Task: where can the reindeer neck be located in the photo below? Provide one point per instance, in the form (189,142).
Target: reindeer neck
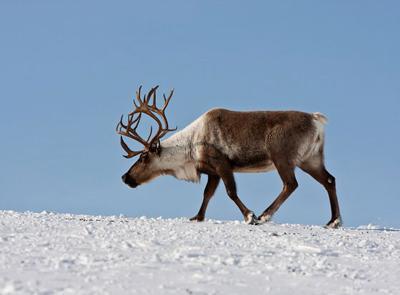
(176,157)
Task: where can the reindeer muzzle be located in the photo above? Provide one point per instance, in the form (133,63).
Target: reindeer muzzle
(129,181)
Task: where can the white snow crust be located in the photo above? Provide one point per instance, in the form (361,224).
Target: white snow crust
(48,253)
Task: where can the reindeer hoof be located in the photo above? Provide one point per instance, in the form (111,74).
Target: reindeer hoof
(250,218)
(334,223)
(263,218)
(197,218)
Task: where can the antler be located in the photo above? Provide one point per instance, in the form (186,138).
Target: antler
(143,106)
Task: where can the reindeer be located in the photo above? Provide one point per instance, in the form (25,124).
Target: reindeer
(222,142)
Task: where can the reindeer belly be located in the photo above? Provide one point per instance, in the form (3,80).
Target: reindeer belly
(264,167)
(253,163)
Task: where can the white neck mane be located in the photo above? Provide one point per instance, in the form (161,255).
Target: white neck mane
(177,154)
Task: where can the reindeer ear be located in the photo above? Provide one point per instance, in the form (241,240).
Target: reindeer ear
(158,148)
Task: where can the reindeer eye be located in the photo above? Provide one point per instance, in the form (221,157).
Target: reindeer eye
(143,157)
(153,149)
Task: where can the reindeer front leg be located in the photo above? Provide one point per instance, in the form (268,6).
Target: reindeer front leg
(230,185)
(209,191)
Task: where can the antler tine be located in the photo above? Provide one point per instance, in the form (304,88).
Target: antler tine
(138,97)
(131,122)
(130,153)
(166,100)
(119,124)
(151,131)
(152,93)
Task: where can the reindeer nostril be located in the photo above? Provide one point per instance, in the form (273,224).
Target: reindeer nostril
(128,180)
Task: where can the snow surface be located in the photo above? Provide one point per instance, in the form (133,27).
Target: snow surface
(47,253)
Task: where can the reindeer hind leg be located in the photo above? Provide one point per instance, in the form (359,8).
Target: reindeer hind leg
(315,168)
(286,172)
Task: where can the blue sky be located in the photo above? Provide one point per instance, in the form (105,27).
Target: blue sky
(69,69)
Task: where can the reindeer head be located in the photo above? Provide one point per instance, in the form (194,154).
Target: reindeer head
(146,167)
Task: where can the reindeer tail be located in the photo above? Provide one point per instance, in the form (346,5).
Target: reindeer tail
(320,117)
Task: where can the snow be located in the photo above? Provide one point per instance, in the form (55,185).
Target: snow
(48,253)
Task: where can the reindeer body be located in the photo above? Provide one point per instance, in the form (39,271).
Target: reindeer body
(248,140)
(222,142)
